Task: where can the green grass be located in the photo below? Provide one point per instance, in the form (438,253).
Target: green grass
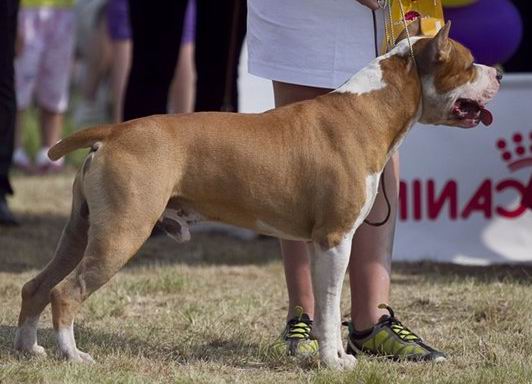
(207,311)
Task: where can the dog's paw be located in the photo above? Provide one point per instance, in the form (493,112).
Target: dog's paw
(79,357)
(338,362)
(85,357)
(34,350)
(29,347)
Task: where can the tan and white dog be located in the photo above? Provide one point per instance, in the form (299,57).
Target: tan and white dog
(306,171)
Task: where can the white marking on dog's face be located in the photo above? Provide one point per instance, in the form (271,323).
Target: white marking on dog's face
(483,87)
(370,77)
(438,107)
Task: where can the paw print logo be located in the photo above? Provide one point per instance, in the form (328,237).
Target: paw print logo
(517,152)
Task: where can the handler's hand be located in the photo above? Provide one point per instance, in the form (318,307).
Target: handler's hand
(371,4)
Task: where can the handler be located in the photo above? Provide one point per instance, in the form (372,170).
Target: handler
(308,48)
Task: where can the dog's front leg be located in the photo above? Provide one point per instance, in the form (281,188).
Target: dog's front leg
(328,271)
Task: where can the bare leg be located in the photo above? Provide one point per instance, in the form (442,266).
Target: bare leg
(98,58)
(183,89)
(328,272)
(36,292)
(121,62)
(21,159)
(297,274)
(295,256)
(51,127)
(18,129)
(371,255)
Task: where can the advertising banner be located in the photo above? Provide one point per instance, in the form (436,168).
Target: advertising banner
(461,189)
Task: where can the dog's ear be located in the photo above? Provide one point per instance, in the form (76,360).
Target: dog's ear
(414,29)
(440,44)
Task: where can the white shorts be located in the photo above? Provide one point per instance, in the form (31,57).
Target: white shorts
(319,43)
(43,68)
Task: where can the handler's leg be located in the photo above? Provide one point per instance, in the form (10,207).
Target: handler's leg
(371,255)
(369,273)
(295,256)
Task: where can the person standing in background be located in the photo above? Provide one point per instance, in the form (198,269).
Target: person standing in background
(8,103)
(156,35)
(46,29)
(183,88)
(220,30)
(119,32)
(221,27)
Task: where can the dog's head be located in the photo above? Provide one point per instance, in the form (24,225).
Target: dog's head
(455,89)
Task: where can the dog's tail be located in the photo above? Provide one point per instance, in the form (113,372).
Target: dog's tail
(82,139)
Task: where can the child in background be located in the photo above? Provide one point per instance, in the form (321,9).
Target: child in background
(42,73)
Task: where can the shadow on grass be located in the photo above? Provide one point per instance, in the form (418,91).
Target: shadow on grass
(219,349)
(438,272)
(32,245)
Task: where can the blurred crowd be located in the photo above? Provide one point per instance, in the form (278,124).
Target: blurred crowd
(108,61)
(87,46)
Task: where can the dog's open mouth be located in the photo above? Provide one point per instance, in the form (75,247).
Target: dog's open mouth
(470,113)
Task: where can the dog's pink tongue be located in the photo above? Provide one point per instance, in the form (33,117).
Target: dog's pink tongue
(486,117)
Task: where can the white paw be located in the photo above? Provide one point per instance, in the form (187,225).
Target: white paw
(79,357)
(338,362)
(86,357)
(27,344)
(34,350)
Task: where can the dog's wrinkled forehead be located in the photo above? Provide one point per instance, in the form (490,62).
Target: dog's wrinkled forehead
(456,71)
(446,61)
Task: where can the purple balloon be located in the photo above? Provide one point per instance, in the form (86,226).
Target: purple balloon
(492,29)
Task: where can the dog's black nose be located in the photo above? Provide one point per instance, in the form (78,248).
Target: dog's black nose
(499,74)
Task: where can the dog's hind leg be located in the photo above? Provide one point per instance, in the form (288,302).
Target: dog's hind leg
(115,235)
(36,292)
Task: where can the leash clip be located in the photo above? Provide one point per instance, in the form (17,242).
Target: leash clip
(382,3)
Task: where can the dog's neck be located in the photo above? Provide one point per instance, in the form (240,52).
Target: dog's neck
(387,93)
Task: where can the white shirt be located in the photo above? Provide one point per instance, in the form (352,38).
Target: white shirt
(319,43)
